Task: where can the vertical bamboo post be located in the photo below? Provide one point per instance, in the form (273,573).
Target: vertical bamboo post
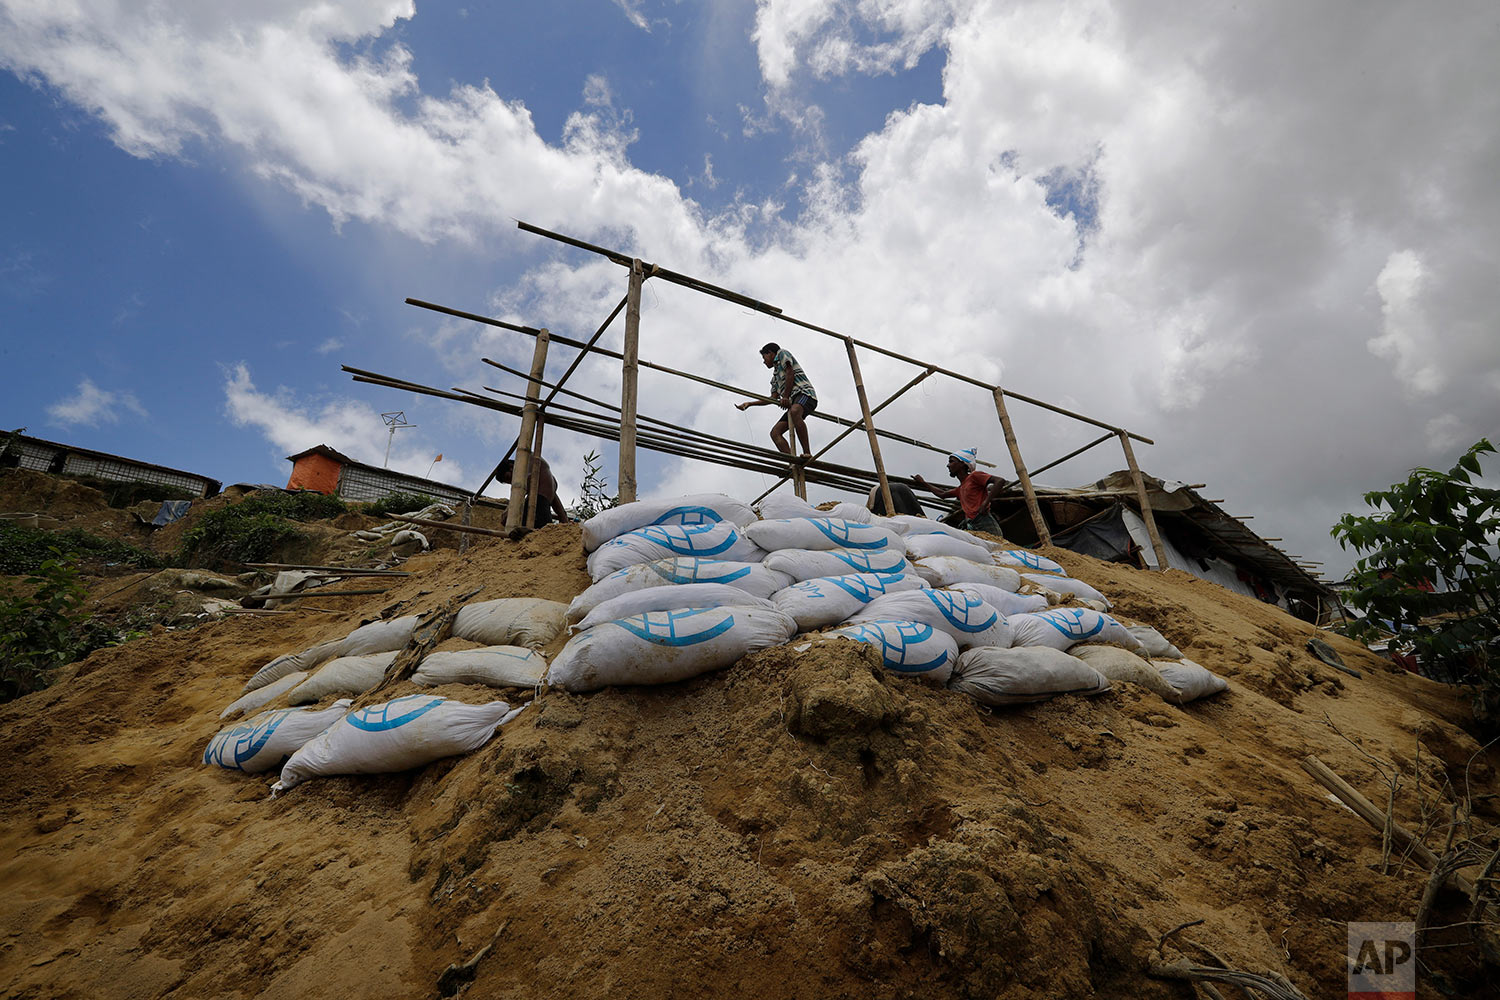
(463,536)
(864,409)
(534,478)
(515,512)
(628,372)
(1145,501)
(799,481)
(1043,535)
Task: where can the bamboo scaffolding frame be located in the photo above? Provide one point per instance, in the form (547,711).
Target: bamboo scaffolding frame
(775,312)
(628,376)
(1145,502)
(515,513)
(836,476)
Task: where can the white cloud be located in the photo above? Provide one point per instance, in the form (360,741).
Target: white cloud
(91,406)
(352,427)
(1243,174)
(329,346)
(633,13)
(1406,340)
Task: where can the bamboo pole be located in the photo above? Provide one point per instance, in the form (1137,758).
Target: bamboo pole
(1073,454)
(869,420)
(515,512)
(745,300)
(534,486)
(469,529)
(1145,502)
(628,374)
(847,431)
(1044,536)
(331,570)
(799,482)
(320,592)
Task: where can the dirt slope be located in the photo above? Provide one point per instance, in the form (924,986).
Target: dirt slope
(801,825)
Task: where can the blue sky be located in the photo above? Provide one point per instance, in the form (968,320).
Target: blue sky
(1265,238)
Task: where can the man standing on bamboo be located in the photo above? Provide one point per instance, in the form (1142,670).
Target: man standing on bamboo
(791,390)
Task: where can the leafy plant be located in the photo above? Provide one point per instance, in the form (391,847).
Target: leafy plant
(24,550)
(398,503)
(1432,571)
(593,491)
(253,529)
(36,628)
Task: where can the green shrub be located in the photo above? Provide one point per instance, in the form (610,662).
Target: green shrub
(23,550)
(398,503)
(253,529)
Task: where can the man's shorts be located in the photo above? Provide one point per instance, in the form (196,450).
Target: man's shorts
(808,403)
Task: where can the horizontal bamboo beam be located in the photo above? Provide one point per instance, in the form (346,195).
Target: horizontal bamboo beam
(1073,454)
(320,592)
(331,570)
(773,311)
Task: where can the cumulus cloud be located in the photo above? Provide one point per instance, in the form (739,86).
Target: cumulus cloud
(1225,229)
(293,424)
(91,406)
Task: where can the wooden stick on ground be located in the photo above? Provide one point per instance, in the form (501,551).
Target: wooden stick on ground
(332,570)
(465,528)
(433,627)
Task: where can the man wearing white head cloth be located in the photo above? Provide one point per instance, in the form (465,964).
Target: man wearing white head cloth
(975,491)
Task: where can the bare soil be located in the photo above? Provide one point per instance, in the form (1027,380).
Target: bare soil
(802,824)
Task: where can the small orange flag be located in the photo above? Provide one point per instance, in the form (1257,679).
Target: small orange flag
(439,458)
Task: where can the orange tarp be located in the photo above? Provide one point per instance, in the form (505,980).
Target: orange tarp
(315,472)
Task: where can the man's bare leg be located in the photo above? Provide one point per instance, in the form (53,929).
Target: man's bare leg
(800,426)
(778,437)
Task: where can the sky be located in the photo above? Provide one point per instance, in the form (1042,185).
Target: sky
(1264,235)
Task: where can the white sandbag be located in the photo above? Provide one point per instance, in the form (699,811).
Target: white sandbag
(493,666)
(909,648)
(932,544)
(342,675)
(753,578)
(820,533)
(683,597)
(511,621)
(829,600)
(1121,666)
(945,571)
(927,526)
(1154,643)
(395,736)
(378,637)
(256,697)
(995,676)
(969,619)
(267,740)
(1062,627)
(777,507)
(660,647)
(1003,601)
(696,508)
(803,564)
(890,524)
(720,540)
(1027,562)
(1066,586)
(293,663)
(1189,681)
(408,542)
(852,512)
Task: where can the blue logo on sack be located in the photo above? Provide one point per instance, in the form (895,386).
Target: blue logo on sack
(842,532)
(1020,557)
(683,539)
(689,515)
(697,570)
(665,628)
(908,635)
(1069,621)
(863,562)
(382,718)
(862,587)
(949,603)
(244,741)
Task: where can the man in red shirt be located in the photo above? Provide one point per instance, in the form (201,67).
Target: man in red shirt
(975,491)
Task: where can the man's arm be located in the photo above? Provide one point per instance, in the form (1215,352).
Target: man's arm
(753,402)
(942,491)
(996,486)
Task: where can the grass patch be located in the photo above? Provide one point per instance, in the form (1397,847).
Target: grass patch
(253,529)
(24,550)
(399,503)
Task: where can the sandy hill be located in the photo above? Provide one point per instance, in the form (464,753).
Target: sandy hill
(800,825)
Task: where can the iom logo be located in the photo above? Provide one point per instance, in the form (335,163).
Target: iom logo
(962,610)
(1070,622)
(689,540)
(393,714)
(693,570)
(842,534)
(1383,961)
(678,628)
(689,515)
